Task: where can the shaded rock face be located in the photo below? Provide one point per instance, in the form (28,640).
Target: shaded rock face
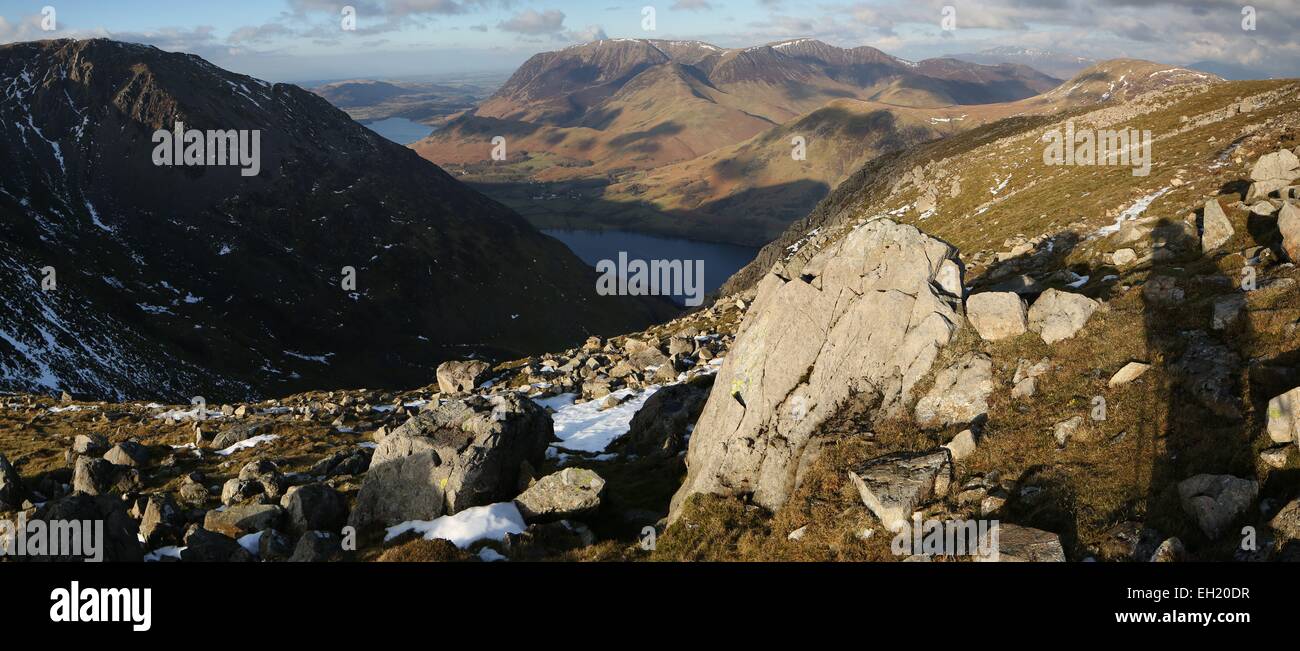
(457,455)
(659,427)
(1288,222)
(1214,501)
(11,487)
(121,543)
(1216,230)
(1018,544)
(866,317)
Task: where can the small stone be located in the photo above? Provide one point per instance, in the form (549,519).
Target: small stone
(962,445)
(997,315)
(1130,372)
(1169,551)
(1284,417)
(1215,501)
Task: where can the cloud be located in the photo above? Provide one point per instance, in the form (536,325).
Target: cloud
(693,5)
(586,34)
(532,23)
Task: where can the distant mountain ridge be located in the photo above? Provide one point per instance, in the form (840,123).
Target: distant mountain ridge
(182,281)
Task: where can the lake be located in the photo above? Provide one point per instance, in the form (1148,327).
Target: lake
(720,260)
(400,130)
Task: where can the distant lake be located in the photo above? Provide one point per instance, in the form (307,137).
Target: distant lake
(720,260)
(400,130)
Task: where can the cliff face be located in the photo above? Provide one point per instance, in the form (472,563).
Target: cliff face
(173,281)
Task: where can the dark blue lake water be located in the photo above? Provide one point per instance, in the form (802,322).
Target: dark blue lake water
(720,260)
(400,130)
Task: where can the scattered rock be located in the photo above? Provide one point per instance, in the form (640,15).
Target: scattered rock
(236,521)
(1277,457)
(1288,222)
(1226,310)
(128,453)
(1123,257)
(1280,164)
(893,486)
(313,506)
(1287,521)
(1162,290)
(962,445)
(460,454)
(960,393)
(1169,551)
(203,546)
(569,493)
(1216,230)
(997,315)
(11,487)
(1058,315)
(1215,501)
(163,522)
(462,377)
(121,537)
(1130,372)
(1017,544)
(318,547)
(1284,417)
(274,546)
(94,445)
(99,477)
(1066,430)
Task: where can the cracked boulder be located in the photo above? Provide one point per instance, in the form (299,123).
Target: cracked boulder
(997,315)
(894,486)
(569,493)
(460,454)
(866,317)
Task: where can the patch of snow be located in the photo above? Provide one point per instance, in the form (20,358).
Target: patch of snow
(491,522)
(247,443)
(584,427)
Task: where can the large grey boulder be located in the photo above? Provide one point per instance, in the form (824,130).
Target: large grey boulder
(1279,165)
(997,315)
(203,546)
(314,507)
(1288,222)
(864,317)
(1058,315)
(1284,417)
(960,392)
(1214,501)
(462,377)
(163,522)
(121,534)
(460,454)
(99,477)
(11,487)
(569,493)
(894,486)
(1216,230)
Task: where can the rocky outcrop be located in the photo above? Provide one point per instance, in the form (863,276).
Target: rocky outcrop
(659,428)
(864,317)
(460,454)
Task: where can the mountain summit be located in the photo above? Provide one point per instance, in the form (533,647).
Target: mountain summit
(125,278)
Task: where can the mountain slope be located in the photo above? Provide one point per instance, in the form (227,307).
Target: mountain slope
(579,109)
(180,281)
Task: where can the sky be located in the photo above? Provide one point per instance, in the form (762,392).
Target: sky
(305,40)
